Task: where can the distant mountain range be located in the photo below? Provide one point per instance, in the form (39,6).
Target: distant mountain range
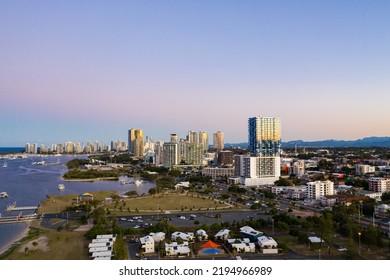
(359,143)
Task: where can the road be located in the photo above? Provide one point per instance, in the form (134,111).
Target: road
(177,219)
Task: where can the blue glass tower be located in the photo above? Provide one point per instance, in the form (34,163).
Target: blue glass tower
(264,136)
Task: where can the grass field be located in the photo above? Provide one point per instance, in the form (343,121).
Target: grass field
(167,202)
(52,245)
(303,249)
(57,204)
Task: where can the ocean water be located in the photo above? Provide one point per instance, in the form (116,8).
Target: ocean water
(28,184)
(6,150)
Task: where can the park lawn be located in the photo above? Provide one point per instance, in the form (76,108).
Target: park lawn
(166,202)
(370,252)
(58,203)
(53,245)
(303,249)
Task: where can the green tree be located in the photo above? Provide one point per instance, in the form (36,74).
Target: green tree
(120,248)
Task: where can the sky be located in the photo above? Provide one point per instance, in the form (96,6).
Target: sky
(91,70)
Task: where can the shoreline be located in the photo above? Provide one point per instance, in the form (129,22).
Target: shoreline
(90,180)
(17,238)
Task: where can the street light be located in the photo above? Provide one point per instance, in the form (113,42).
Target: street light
(359,234)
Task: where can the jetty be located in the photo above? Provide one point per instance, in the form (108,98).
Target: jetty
(12,207)
(18,219)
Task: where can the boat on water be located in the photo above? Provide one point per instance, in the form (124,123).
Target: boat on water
(138,182)
(3,195)
(123,182)
(61,187)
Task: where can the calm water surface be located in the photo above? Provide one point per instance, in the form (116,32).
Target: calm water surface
(28,184)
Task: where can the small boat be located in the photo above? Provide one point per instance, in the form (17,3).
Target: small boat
(3,195)
(61,187)
(138,182)
(123,182)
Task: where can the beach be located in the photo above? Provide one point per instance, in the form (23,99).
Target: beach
(18,237)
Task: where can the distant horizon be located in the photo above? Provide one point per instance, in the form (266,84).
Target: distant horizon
(210,143)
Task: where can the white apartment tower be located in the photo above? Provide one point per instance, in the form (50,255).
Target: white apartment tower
(316,190)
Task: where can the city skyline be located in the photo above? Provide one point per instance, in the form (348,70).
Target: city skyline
(91,70)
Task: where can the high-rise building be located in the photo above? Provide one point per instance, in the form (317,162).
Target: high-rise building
(27,148)
(78,149)
(193,154)
(139,143)
(159,154)
(203,138)
(149,144)
(171,154)
(219,140)
(192,137)
(34,148)
(174,138)
(59,148)
(69,147)
(131,139)
(238,165)
(264,136)
(136,142)
(89,148)
(44,149)
(262,166)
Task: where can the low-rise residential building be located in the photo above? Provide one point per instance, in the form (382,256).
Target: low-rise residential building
(201,235)
(374,195)
(328,200)
(242,245)
(146,244)
(362,169)
(158,236)
(378,184)
(382,211)
(315,240)
(299,168)
(250,233)
(176,250)
(234,180)
(296,192)
(102,246)
(182,185)
(215,172)
(223,234)
(267,245)
(189,236)
(346,199)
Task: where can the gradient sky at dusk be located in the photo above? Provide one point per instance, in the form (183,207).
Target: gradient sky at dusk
(90,70)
